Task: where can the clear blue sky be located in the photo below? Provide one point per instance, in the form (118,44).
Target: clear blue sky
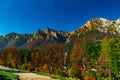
(26,16)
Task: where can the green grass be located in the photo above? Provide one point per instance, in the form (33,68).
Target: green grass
(8,75)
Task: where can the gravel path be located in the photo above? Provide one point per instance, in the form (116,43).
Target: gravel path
(26,76)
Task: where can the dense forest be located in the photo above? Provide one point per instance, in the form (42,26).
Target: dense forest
(82,58)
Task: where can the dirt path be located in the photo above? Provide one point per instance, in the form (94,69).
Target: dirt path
(26,76)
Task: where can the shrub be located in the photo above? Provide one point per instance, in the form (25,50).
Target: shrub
(24,66)
(45,68)
(72,73)
(57,71)
(92,73)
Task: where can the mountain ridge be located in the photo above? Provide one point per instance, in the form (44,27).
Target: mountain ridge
(32,40)
(94,28)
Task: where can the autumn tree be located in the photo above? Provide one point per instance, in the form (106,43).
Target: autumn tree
(52,56)
(11,57)
(78,57)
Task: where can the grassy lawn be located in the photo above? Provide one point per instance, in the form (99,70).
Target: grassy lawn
(8,75)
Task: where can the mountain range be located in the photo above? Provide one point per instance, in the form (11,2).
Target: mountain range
(95,28)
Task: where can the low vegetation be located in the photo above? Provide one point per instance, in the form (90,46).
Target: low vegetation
(8,76)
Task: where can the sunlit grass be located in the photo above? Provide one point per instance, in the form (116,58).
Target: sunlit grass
(8,75)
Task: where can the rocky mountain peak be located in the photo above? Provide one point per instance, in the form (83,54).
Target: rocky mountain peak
(48,31)
(101,21)
(51,32)
(11,35)
(102,24)
(32,40)
(117,21)
(98,27)
(38,35)
(39,32)
(98,20)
